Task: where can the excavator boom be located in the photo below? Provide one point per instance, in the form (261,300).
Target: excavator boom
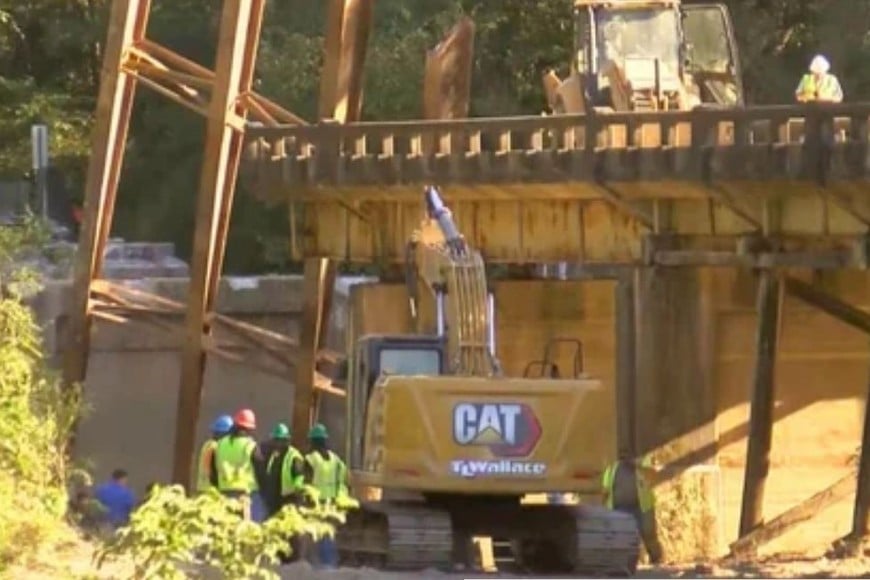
(455,274)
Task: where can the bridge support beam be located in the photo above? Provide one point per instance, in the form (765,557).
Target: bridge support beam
(626,365)
(319,286)
(761,410)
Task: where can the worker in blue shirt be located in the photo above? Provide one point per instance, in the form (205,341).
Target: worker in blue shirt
(117,498)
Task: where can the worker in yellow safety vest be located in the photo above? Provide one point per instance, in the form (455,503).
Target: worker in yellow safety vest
(234,461)
(819,85)
(206,477)
(625,488)
(327,473)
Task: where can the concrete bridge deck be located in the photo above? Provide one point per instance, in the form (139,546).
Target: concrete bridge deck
(532,189)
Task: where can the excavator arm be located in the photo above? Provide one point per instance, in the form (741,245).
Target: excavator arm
(455,274)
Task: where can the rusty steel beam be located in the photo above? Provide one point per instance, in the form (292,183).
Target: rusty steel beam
(344,54)
(320,276)
(127,24)
(238,38)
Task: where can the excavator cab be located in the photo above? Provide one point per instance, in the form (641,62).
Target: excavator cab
(375,356)
(648,55)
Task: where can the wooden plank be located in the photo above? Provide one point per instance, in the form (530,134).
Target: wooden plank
(788,520)
(761,409)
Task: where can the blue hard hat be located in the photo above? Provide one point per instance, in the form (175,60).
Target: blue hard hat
(222,425)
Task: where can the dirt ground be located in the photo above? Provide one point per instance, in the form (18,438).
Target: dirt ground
(774,568)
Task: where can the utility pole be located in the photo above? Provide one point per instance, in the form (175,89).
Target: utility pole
(39,142)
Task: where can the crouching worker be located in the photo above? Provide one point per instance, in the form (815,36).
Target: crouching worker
(626,488)
(327,473)
(234,461)
(285,479)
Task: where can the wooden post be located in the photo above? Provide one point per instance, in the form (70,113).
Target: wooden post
(861,514)
(319,286)
(761,411)
(127,24)
(238,38)
(626,366)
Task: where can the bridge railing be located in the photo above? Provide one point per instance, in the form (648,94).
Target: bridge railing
(753,142)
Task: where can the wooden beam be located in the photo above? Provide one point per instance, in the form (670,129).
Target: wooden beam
(842,311)
(127,23)
(761,410)
(236,55)
(805,510)
(319,285)
(347,32)
(626,365)
(861,512)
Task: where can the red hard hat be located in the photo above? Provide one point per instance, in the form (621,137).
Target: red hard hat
(245,419)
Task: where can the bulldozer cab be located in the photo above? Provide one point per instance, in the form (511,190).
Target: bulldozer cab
(374,356)
(655,55)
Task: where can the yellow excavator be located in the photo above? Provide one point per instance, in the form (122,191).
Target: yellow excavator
(648,55)
(442,447)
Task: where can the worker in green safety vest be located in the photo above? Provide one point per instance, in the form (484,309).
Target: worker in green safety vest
(625,488)
(327,473)
(206,476)
(234,461)
(819,85)
(285,471)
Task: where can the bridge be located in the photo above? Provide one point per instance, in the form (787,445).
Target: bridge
(764,185)
(777,191)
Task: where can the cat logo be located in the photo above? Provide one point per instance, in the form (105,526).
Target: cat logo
(507,429)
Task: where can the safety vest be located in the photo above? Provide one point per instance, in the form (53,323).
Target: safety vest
(203,478)
(828,89)
(290,483)
(645,497)
(328,475)
(235,468)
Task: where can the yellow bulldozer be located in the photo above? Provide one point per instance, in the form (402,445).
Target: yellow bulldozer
(648,55)
(442,447)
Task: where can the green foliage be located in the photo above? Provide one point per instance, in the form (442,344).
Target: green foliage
(175,536)
(36,416)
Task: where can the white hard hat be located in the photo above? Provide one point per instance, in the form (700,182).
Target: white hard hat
(819,65)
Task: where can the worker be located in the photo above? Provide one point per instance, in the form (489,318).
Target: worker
(285,481)
(285,471)
(327,473)
(207,476)
(626,488)
(819,85)
(234,461)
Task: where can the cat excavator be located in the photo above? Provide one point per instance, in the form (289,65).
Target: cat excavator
(648,55)
(443,448)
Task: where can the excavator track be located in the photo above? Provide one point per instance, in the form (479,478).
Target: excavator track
(608,542)
(587,540)
(396,536)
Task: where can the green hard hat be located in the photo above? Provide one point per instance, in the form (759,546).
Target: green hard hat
(318,432)
(280,431)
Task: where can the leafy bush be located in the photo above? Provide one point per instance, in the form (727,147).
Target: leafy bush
(173,536)
(35,414)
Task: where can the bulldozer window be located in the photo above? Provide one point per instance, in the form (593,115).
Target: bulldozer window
(639,33)
(710,52)
(707,37)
